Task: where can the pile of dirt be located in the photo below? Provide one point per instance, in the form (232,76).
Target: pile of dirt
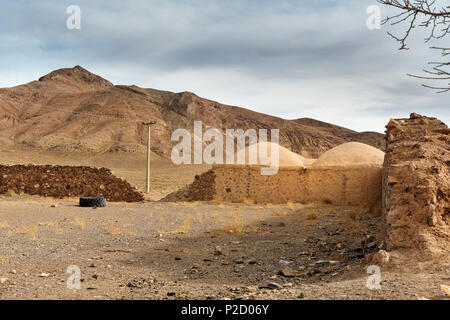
(66,181)
(202,189)
(416,185)
(286,158)
(351,154)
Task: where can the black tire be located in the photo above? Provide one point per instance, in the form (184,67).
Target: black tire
(92,202)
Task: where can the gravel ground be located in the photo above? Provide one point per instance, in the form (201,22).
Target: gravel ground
(153,250)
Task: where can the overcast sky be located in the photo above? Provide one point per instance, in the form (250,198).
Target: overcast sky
(286,58)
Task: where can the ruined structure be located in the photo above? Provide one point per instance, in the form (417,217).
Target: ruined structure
(343,182)
(416,185)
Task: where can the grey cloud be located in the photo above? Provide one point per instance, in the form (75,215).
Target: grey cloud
(286,48)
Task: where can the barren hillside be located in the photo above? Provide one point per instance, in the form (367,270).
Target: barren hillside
(72,110)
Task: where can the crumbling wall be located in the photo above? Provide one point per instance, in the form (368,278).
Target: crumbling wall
(66,181)
(416,185)
(334,185)
(352,186)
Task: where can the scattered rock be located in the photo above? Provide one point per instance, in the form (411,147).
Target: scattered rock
(3,280)
(445,289)
(287,272)
(171,294)
(381,258)
(285,262)
(44,275)
(274,285)
(371,245)
(238,260)
(218,251)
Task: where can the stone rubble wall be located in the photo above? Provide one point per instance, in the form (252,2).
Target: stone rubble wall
(66,181)
(416,185)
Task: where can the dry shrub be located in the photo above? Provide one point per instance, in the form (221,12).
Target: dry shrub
(313,215)
(80,222)
(10,193)
(185,227)
(280,213)
(4,224)
(114,228)
(29,231)
(290,205)
(247,201)
(192,204)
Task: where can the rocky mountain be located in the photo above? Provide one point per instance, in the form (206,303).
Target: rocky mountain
(74,111)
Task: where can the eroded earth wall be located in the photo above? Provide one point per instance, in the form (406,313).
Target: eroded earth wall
(416,185)
(347,186)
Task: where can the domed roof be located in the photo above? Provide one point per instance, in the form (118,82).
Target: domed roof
(286,157)
(351,154)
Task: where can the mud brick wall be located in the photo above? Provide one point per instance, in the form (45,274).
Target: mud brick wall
(416,185)
(66,181)
(353,186)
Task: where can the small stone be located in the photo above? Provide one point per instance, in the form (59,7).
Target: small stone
(95,276)
(285,262)
(171,294)
(13,271)
(177,258)
(392,180)
(238,260)
(92,265)
(54,206)
(3,280)
(44,275)
(371,245)
(274,285)
(251,261)
(381,258)
(218,251)
(252,288)
(445,289)
(286,271)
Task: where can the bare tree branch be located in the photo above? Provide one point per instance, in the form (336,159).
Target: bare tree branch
(427,15)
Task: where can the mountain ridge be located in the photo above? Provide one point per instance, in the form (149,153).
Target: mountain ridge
(72,110)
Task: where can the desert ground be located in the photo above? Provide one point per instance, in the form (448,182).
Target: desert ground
(197,250)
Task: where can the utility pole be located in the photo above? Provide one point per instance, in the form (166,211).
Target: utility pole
(147,183)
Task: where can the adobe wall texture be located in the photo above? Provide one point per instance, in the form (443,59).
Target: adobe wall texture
(353,186)
(416,185)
